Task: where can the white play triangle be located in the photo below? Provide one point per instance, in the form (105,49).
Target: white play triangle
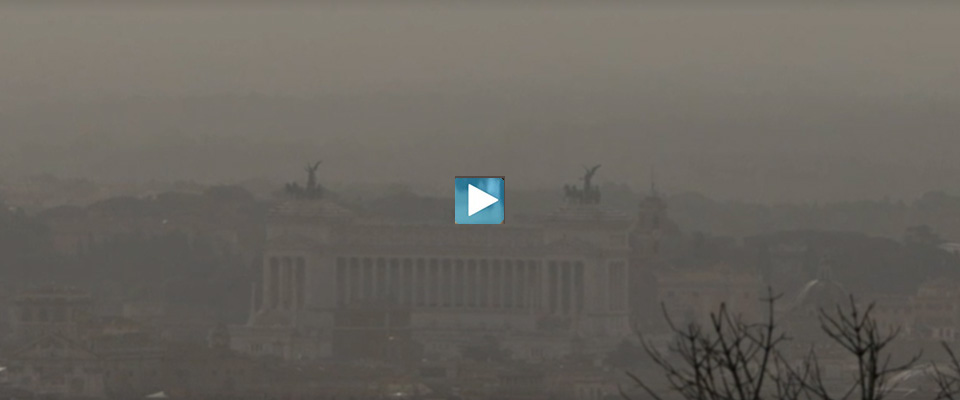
(477,200)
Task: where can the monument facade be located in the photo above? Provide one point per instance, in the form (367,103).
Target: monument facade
(544,285)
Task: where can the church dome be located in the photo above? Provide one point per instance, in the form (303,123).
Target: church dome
(820,293)
(918,381)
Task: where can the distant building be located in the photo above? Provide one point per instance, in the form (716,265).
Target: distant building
(60,348)
(937,310)
(540,281)
(60,310)
(171,321)
(952,248)
(784,263)
(652,237)
(220,222)
(896,313)
(821,294)
(692,296)
(54,365)
(372,332)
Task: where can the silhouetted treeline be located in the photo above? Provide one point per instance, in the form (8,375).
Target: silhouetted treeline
(25,243)
(864,264)
(181,248)
(696,212)
(876,217)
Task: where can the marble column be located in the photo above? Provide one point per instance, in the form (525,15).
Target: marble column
(267,301)
(273,283)
(301,283)
(285,279)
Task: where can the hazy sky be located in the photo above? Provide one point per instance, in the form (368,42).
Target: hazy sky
(756,102)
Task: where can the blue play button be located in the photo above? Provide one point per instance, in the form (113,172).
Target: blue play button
(478,200)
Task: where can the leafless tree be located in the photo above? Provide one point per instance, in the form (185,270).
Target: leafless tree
(731,359)
(856,331)
(948,378)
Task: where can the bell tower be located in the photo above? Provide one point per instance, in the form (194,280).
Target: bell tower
(646,254)
(652,222)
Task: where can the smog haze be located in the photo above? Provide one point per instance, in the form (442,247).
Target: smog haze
(755,102)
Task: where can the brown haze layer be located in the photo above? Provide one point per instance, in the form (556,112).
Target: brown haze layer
(767,103)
